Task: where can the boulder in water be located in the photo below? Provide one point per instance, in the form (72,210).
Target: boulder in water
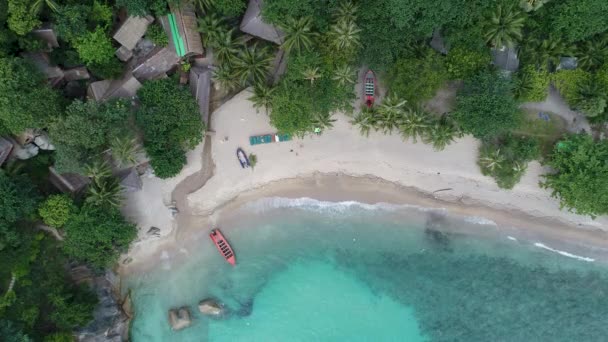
(211,307)
(180,318)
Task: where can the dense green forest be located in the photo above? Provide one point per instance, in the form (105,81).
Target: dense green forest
(326,43)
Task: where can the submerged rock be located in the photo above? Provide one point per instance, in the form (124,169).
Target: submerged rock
(245,309)
(211,307)
(434,233)
(180,318)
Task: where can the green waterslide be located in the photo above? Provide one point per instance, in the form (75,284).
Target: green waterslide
(178,41)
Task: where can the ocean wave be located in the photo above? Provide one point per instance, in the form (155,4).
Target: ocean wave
(480,220)
(569,255)
(269,203)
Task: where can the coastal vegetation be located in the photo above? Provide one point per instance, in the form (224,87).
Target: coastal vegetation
(417,48)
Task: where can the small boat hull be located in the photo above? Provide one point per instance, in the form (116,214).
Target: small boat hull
(242,157)
(369,88)
(223,246)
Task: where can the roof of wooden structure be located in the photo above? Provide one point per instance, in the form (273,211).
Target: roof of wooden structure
(132,30)
(505,58)
(181,26)
(200,86)
(253,24)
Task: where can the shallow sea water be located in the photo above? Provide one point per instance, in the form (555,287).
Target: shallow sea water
(318,271)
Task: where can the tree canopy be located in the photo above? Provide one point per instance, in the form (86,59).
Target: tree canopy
(96,236)
(485,107)
(580,180)
(26,101)
(171,122)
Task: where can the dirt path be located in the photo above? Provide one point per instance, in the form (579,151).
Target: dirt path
(554,103)
(194,181)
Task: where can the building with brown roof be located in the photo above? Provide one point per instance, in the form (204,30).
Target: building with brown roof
(181,26)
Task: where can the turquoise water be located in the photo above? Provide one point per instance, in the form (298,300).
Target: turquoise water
(316,271)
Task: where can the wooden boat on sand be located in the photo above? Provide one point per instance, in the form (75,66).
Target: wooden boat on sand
(369,88)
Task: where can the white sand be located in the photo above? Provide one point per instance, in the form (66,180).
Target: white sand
(339,165)
(343,150)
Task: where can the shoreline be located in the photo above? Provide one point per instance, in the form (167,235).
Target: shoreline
(342,165)
(589,241)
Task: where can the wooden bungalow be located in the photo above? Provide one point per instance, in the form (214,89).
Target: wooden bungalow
(132,30)
(505,59)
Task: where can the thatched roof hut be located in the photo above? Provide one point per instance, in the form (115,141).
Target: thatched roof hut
(47,35)
(125,87)
(254,25)
(155,64)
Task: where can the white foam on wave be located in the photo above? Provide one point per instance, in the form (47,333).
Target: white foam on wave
(569,255)
(480,220)
(511,238)
(269,203)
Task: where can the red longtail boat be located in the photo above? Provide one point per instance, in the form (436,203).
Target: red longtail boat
(223,246)
(369,88)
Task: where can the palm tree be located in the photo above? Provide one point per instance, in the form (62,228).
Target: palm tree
(347,10)
(344,74)
(490,160)
(311,74)
(124,151)
(344,35)
(98,170)
(298,34)
(391,113)
(592,53)
(546,52)
(252,65)
(224,76)
(39,4)
(225,48)
(532,5)
(105,192)
(262,97)
(442,133)
(323,121)
(415,124)
(364,121)
(211,26)
(504,26)
(203,5)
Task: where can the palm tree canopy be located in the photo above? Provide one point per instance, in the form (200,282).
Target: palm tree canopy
(38,4)
(345,35)
(504,26)
(312,74)
(262,96)
(225,47)
(347,10)
(252,65)
(226,77)
(298,34)
(593,53)
(415,124)
(211,26)
(344,74)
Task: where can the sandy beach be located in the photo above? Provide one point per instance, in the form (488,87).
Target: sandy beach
(341,165)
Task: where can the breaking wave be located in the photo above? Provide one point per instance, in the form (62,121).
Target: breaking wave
(306,203)
(569,255)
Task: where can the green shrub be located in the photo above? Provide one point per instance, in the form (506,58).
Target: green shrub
(56,210)
(157,35)
(463,63)
(506,158)
(95,47)
(580,180)
(417,79)
(531,84)
(568,82)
